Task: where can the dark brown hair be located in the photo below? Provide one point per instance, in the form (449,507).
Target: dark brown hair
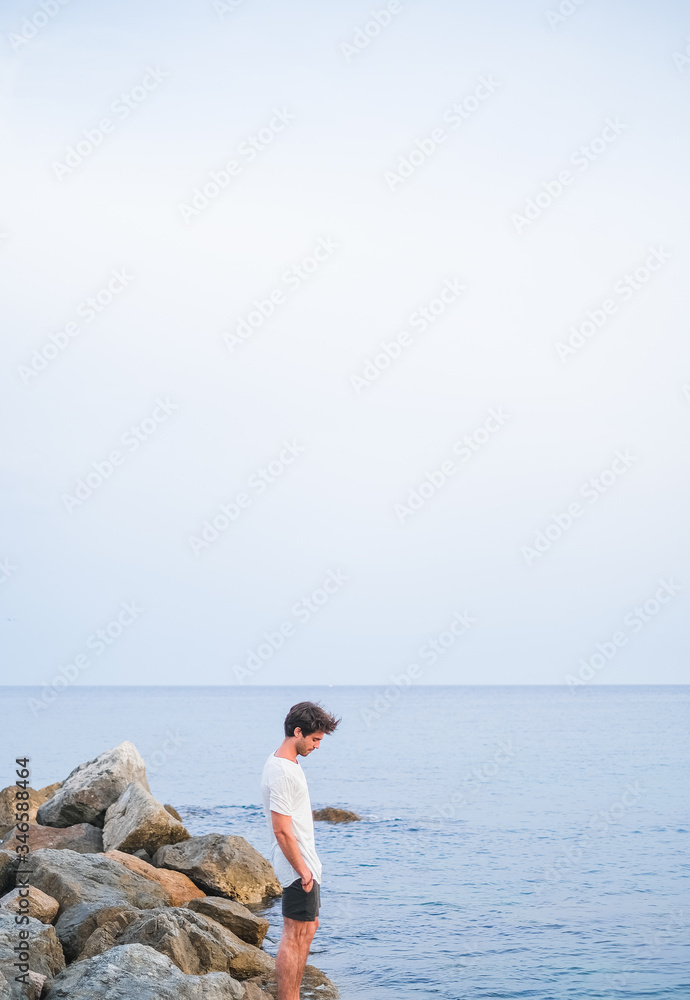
(311,718)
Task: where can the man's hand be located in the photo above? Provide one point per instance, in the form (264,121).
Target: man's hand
(308,882)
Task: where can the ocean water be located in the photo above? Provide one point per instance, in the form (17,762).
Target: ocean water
(516,842)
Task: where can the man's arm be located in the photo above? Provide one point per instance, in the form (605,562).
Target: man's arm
(282,827)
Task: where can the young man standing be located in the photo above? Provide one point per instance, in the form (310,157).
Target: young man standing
(293,854)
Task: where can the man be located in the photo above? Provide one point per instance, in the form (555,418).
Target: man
(293,854)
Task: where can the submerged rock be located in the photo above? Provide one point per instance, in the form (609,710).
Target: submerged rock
(92,787)
(332,815)
(223,866)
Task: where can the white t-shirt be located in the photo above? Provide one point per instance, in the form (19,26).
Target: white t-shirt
(284,790)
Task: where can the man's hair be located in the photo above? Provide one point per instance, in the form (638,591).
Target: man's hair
(311,718)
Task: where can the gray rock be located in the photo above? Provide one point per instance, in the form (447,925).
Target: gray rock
(233,915)
(136,972)
(222,866)
(315,985)
(196,944)
(83,838)
(90,928)
(90,788)
(73,878)
(8,871)
(137,821)
(45,954)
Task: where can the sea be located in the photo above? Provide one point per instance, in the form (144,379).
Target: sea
(514,842)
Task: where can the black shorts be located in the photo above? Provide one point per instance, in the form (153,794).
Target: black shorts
(301,905)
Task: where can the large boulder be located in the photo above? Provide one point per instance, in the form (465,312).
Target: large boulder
(90,788)
(332,815)
(90,928)
(138,822)
(136,972)
(73,878)
(222,866)
(9,804)
(82,838)
(195,944)
(44,951)
(8,871)
(233,915)
(31,901)
(180,888)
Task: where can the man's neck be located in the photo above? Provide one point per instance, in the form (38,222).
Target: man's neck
(287,751)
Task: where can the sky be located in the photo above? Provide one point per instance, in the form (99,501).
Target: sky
(345,344)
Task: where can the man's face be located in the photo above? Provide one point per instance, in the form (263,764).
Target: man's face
(305,744)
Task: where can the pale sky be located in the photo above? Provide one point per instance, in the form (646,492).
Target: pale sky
(427,272)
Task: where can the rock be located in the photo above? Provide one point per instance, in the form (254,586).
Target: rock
(233,915)
(41,906)
(87,792)
(332,815)
(138,821)
(173,811)
(48,791)
(315,985)
(144,855)
(73,878)
(8,871)
(136,972)
(180,888)
(90,928)
(9,807)
(196,944)
(222,866)
(46,957)
(83,838)
(29,989)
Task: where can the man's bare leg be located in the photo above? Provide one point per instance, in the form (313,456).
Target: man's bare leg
(293,952)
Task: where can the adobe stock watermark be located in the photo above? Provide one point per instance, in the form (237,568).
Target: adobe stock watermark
(623,291)
(97,643)
(420,320)
(225,7)
(7,569)
(170,747)
(88,311)
(122,107)
(248,150)
(364,34)
(681,60)
(593,490)
(454,116)
(430,652)
(583,157)
(31,26)
(635,620)
(465,448)
(257,484)
(131,441)
(292,279)
(302,612)
(557,16)
(598,825)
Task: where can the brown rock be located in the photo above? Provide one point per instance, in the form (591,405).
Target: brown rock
(332,815)
(9,806)
(82,838)
(41,906)
(8,871)
(48,791)
(173,811)
(222,866)
(137,821)
(79,924)
(180,888)
(233,915)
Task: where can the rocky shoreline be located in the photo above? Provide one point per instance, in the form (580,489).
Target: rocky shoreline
(118,901)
